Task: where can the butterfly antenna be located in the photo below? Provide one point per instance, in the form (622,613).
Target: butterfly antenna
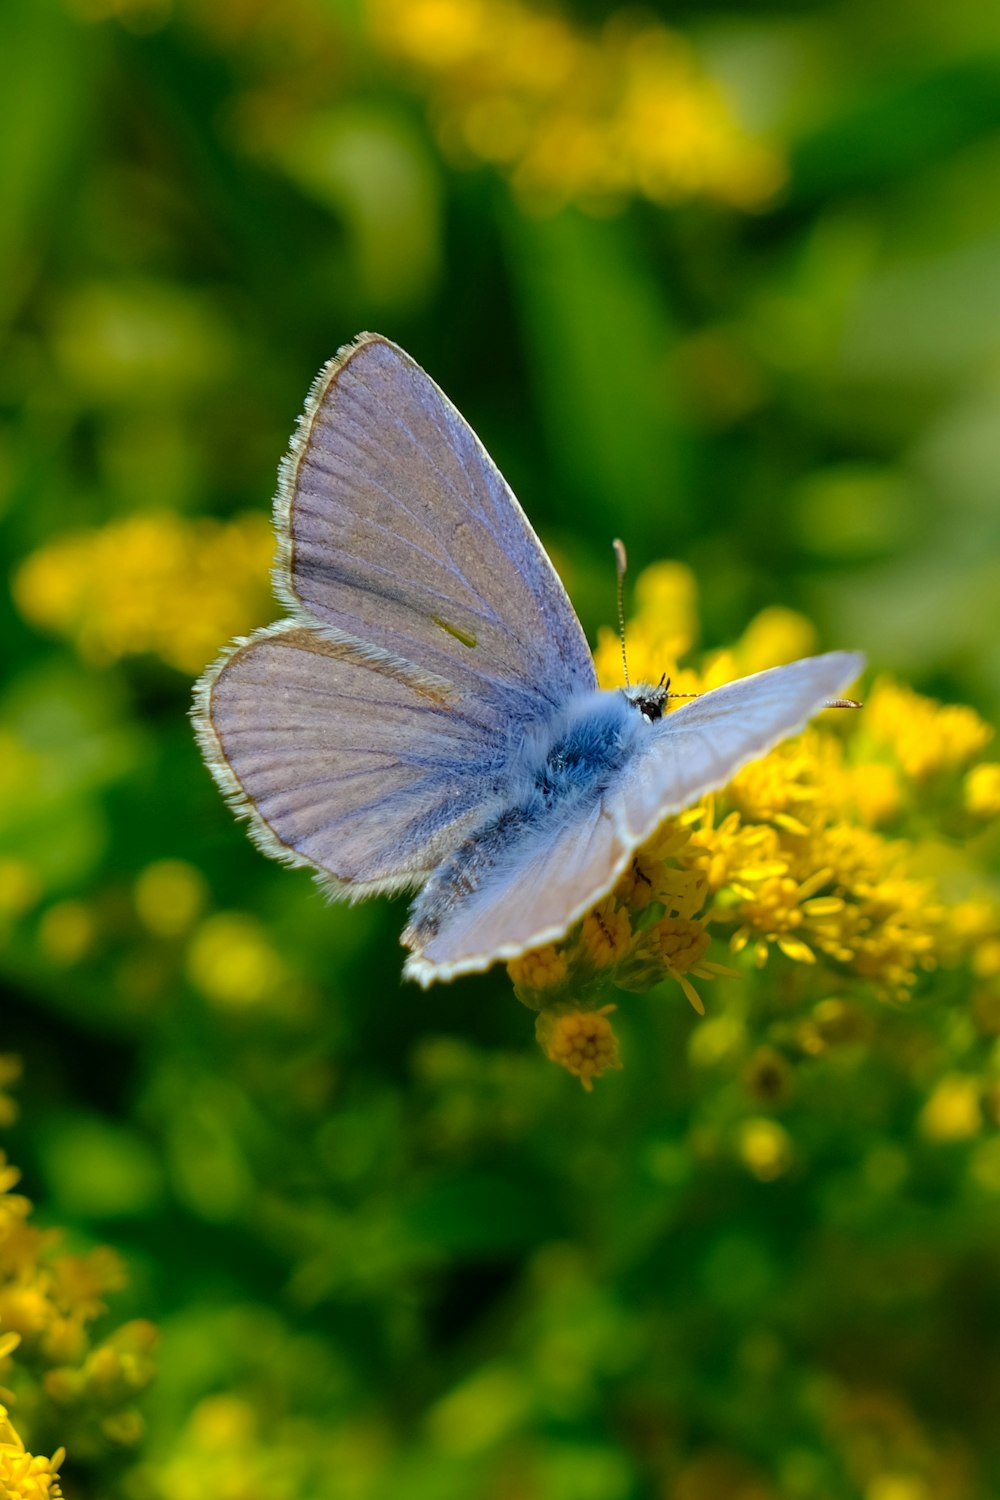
(621,562)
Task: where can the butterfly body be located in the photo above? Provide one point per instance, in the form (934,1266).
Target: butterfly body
(558,772)
(428,716)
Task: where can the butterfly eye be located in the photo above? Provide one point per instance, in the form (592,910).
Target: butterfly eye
(648,700)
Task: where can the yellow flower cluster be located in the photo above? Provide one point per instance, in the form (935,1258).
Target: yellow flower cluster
(924,736)
(572,117)
(23,1476)
(790,856)
(167,928)
(228,956)
(231,1449)
(47,1302)
(159,583)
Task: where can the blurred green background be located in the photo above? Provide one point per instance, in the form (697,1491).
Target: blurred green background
(721,279)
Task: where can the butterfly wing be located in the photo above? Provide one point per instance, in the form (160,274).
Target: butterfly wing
(536,898)
(700,746)
(398,530)
(430,630)
(360,767)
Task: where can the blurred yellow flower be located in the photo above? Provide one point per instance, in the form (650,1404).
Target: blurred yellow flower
(982,790)
(953,1112)
(570,116)
(231,1448)
(113,1373)
(66,932)
(773,637)
(925,736)
(159,583)
(898,1487)
(170,894)
(231,961)
(666,596)
(984,1165)
(717,1041)
(765,1148)
(876,792)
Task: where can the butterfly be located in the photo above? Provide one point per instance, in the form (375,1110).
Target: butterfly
(428,717)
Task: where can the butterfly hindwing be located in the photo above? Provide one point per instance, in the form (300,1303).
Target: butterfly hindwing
(354,765)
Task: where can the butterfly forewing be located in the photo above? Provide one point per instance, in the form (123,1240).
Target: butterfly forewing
(701,746)
(400,532)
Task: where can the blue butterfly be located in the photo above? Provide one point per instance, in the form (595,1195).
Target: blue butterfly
(428,715)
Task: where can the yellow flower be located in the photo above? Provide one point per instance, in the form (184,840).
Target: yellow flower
(982,790)
(733,850)
(571,116)
(231,1448)
(953,1112)
(112,1374)
(541,969)
(169,896)
(581,1041)
(655,876)
(606,934)
(665,627)
(679,945)
(793,786)
(231,961)
(876,791)
(159,583)
(46,1303)
(765,1148)
(22,1475)
(773,910)
(925,736)
(775,636)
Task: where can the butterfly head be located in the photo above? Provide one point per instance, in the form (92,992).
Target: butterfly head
(650,701)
